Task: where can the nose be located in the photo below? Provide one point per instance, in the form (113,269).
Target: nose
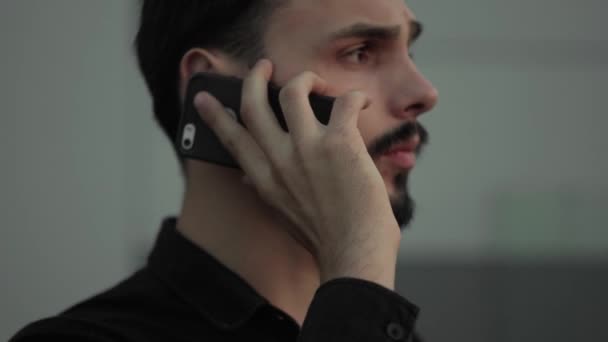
(416,96)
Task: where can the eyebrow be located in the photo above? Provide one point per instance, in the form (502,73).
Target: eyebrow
(363,30)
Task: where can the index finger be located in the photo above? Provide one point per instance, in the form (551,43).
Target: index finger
(233,136)
(295,102)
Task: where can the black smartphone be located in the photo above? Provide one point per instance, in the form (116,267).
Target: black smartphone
(195,140)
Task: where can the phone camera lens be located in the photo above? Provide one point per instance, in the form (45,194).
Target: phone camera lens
(188,136)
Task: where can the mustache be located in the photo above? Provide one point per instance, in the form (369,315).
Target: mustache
(400,134)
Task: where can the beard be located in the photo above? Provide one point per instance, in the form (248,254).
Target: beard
(401,202)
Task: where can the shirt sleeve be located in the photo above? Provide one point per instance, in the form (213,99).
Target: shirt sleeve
(350,309)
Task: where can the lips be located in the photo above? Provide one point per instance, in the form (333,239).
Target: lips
(407,146)
(403,155)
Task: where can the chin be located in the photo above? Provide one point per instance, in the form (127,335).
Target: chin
(401,201)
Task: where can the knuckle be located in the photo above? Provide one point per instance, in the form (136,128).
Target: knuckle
(231,143)
(266,190)
(247,110)
(234,143)
(352,99)
(289,93)
(339,143)
(250,77)
(341,102)
(309,76)
(281,169)
(335,139)
(295,87)
(304,148)
(212,121)
(345,108)
(333,143)
(305,78)
(263,182)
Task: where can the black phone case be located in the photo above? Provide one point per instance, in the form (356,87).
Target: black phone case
(195,140)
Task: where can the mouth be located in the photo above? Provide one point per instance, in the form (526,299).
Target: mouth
(403,155)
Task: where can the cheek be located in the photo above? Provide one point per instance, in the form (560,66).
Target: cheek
(283,72)
(371,124)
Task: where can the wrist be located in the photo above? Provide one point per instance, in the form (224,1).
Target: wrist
(373,260)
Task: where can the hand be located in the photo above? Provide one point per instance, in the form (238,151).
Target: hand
(319,177)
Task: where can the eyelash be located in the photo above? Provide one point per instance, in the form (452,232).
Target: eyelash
(367,47)
(361,49)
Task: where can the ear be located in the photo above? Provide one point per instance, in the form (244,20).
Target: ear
(204,60)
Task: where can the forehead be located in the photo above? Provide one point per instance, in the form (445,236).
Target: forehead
(312,19)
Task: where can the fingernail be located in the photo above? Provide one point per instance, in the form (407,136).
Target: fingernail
(368,100)
(266,63)
(201,99)
(231,112)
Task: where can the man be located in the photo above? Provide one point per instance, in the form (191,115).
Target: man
(302,243)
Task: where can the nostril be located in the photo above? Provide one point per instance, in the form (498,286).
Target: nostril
(416,108)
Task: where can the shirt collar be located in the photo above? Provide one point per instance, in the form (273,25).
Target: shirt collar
(221,295)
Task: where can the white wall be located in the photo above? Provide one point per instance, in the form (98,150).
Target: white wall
(66,83)
(517,164)
(516,168)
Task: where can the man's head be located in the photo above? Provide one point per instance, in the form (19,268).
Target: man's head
(352,44)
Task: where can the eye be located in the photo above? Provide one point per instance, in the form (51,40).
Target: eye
(362,53)
(359,55)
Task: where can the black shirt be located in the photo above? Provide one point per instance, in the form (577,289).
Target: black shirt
(185,294)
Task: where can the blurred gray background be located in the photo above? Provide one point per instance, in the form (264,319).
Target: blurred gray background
(510,242)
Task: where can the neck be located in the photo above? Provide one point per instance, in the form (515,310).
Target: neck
(226,217)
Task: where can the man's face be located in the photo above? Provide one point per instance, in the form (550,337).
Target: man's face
(361,45)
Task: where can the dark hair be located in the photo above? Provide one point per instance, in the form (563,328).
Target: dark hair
(168,29)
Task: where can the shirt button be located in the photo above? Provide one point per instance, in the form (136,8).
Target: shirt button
(395,331)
